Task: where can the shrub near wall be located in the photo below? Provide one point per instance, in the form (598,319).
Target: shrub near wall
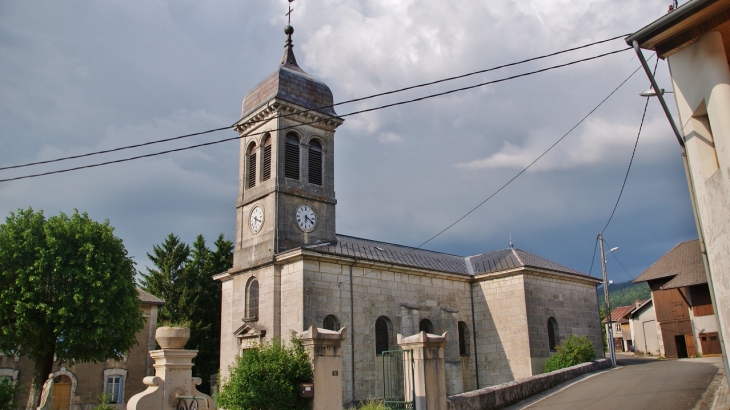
(8,390)
(575,350)
(267,377)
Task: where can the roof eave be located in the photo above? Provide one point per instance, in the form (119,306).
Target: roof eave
(668,20)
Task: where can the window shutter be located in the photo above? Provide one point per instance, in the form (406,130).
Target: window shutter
(315,163)
(251,170)
(267,163)
(291,160)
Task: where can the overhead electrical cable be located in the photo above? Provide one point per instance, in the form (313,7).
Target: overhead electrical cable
(319,120)
(533,162)
(399,90)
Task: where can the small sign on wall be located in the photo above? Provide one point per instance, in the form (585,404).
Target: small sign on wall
(335,373)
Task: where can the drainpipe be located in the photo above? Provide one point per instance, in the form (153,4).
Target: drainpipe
(474,333)
(692,196)
(352,334)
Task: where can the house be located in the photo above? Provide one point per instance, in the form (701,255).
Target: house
(505,310)
(622,336)
(644,330)
(681,299)
(695,39)
(77,386)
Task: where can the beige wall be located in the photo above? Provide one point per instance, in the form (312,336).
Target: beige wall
(701,81)
(644,332)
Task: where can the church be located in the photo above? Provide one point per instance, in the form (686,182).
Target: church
(505,310)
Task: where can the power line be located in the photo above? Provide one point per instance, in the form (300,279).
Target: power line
(523,171)
(533,162)
(631,161)
(317,121)
(617,260)
(314,109)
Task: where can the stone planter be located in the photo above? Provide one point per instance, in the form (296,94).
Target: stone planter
(172,337)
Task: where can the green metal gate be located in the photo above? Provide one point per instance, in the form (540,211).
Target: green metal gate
(398,390)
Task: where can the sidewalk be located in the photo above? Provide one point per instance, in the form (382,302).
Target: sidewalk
(722,395)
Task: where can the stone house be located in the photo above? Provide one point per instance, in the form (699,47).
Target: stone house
(695,40)
(79,386)
(505,311)
(680,294)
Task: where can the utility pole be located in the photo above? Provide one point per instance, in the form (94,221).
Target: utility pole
(611,347)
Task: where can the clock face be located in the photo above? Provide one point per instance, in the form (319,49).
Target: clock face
(257,219)
(306,218)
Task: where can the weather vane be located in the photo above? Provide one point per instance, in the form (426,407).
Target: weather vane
(290,10)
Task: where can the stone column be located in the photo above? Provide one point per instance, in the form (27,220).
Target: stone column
(429,372)
(325,351)
(173,377)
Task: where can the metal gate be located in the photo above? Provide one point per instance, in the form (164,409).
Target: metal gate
(398,389)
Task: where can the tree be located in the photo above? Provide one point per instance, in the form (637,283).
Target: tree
(575,350)
(182,276)
(66,290)
(266,377)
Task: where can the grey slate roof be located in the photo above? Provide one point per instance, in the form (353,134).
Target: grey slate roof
(505,259)
(292,84)
(684,262)
(148,298)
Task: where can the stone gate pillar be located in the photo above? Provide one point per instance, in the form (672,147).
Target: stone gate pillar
(173,379)
(325,351)
(429,372)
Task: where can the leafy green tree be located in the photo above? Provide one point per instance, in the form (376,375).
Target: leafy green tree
(575,350)
(266,377)
(182,276)
(66,290)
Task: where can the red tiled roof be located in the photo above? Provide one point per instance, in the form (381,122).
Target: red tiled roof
(619,314)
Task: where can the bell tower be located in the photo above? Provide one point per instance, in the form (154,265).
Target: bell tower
(286,180)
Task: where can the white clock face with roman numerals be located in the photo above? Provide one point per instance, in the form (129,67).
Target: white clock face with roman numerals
(257,219)
(306,218)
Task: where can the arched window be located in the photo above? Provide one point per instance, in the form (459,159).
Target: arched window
(553,334)
(252,299)
(291,156)
(382,339)
(315,163)
(251,155)
(425,325)
(463,339)
(331,323)
(266,175)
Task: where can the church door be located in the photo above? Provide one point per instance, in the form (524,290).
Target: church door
(61,393)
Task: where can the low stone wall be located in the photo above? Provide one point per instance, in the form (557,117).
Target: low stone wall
(505,394)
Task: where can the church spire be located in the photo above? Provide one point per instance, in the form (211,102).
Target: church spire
(288,58)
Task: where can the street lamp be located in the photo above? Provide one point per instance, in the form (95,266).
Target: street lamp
(611,347)
(652,93)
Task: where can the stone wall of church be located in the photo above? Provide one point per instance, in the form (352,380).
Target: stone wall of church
(403,298)
(503,349)
(574,305)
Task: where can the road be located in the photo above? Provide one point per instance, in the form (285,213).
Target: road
(636,383)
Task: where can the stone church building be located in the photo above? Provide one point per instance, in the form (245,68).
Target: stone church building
(505,310)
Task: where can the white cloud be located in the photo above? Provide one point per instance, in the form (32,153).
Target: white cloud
(390,138)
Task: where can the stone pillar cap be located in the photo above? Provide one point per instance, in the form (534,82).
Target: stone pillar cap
(319,333)
(424,339)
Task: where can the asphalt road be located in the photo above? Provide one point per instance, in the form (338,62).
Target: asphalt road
(636,383)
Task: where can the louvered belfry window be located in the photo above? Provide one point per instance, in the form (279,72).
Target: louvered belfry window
(291,160)
(267,160)
(315,163)
(252,166)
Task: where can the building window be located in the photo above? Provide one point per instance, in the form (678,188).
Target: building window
(251,158)
(315,163)
(291,154)
(553,334)
(331,323)
(463,339)
(382,330)
(618,327)
(252,299)
(266,175)
(425,325)
(114,389)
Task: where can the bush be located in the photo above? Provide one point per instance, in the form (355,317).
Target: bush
(372,404)
(575,350)
(267,377)
(8,390)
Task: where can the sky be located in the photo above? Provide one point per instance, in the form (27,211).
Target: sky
(81,76)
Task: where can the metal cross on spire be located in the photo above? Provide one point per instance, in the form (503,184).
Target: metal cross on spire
(290,10)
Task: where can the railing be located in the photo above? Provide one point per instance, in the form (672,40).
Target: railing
(190,402)
(398,393)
